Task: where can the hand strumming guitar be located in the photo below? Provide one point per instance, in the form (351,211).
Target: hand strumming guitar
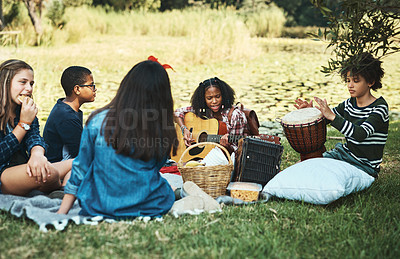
(187,136)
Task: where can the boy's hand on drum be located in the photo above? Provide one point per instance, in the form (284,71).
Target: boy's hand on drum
(300,104)
(28,110)
(324,108)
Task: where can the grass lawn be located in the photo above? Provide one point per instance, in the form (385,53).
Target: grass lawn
(361,225)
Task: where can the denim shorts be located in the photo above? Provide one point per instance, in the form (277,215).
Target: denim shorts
(1,171)
(18,158)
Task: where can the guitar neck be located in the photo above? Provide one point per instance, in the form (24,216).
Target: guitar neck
(217,138)
(235,138)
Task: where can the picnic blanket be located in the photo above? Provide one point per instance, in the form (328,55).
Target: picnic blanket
(43,210)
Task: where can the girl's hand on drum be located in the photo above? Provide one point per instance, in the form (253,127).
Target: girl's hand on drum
(300,104)
(324,108)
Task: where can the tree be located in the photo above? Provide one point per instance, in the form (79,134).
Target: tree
(302,12)
(173,4)
(360,26)
(1,16)
(35,11)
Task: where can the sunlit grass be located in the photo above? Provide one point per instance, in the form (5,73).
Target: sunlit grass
(361,225)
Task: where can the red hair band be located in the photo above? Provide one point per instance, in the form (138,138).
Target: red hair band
(165,66)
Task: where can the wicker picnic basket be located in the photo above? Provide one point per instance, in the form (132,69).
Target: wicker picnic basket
(211,179)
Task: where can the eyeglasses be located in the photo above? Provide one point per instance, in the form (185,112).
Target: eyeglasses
(93,86)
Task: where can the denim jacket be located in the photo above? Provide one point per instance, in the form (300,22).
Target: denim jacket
(113,185)
(9,143)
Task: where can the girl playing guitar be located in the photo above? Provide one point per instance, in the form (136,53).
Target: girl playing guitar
(213,98)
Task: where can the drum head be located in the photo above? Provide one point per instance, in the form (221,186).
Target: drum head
(302,116)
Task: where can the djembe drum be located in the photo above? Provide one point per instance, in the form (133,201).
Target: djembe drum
(305,129)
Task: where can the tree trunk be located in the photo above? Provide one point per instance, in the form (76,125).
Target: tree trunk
(35,18)
(1,16)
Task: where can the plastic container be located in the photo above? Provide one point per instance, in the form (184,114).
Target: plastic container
(244,190)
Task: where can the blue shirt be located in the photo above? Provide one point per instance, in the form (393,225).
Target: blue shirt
(113,185)
(62,132)
(9,143)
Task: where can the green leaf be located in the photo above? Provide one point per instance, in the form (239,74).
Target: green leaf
(325,9)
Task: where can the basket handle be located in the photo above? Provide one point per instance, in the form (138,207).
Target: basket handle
(202,144)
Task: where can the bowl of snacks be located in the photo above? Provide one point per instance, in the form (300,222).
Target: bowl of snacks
(245,191)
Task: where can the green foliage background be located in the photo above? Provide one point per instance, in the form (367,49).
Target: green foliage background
(360,26)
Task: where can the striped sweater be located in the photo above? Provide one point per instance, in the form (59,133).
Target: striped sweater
(365,129)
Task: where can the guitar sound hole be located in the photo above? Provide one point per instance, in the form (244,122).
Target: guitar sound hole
(196,151)
(203,137)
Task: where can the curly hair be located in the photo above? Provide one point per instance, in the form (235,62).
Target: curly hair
(366,66)
(198,100)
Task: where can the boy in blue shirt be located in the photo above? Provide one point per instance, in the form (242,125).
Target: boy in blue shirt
(64,125)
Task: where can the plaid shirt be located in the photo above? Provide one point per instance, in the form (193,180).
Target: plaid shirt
(9,143)
(235,127)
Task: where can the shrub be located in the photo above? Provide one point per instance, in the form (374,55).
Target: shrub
(55,12)
(76,3)
(303,13)
(173,4)
(208,34)
(221,35)
(122,5)
(264,20)
(299,32)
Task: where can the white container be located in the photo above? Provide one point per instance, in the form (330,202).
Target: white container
(245,191)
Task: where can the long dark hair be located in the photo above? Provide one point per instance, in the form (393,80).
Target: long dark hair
(139,121)
(8,69)
(198,100)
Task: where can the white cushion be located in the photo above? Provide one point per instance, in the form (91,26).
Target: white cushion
(318,181)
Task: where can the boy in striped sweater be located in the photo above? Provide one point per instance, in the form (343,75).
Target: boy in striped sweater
(363,118)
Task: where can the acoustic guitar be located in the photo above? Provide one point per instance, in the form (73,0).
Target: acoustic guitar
(207,130)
